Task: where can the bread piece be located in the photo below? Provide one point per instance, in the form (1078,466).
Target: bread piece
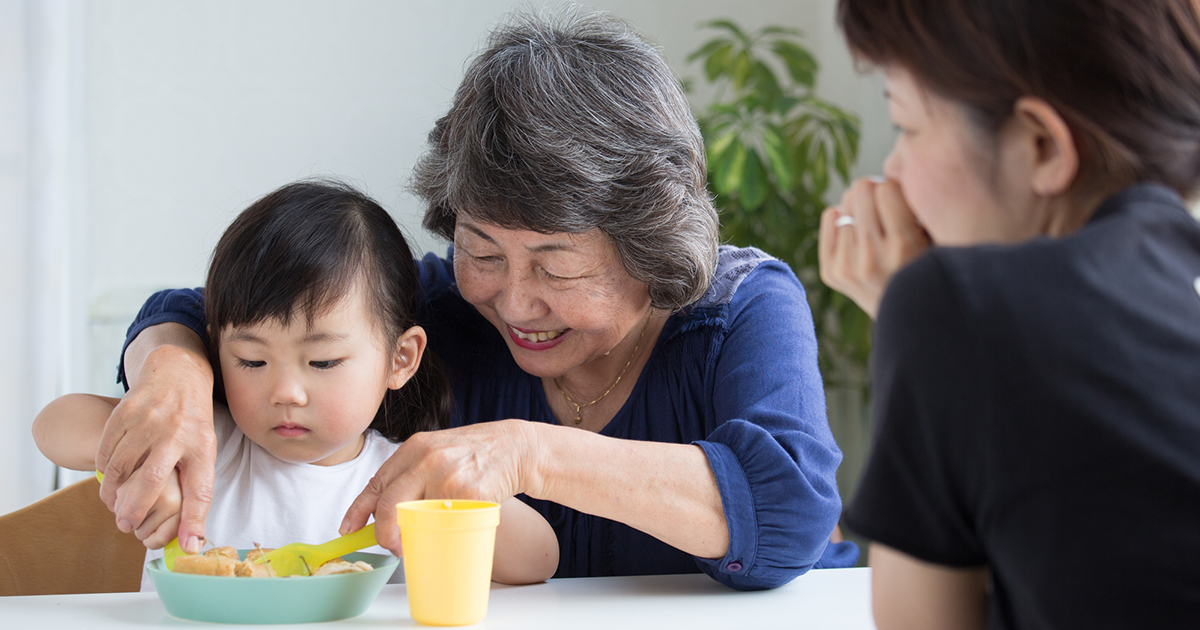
(228,553)
(250,568)
(337,566)
(258,552)
(205,565)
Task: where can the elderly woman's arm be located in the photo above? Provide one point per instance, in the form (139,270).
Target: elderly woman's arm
(754,502)
(164,422)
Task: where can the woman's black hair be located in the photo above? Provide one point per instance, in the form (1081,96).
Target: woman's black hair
(300,249)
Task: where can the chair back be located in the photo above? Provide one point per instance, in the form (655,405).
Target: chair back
(68,543)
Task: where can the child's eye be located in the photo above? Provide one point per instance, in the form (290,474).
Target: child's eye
(325,365)
(251,364)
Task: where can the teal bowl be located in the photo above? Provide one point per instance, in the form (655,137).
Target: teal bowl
(272,600)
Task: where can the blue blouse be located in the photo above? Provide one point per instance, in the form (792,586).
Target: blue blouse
(735,373)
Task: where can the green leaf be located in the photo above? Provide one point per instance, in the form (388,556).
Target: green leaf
(801,156)
(851,130)
(754,181)
(740,71)
(727,25)
(780,30)
(717,148)
(800,63)
(728,174)
(841,162)
(718,62)
(820,171)
(708,48)
(766,85)
(775,148)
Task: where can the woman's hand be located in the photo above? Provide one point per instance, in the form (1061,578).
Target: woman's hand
(162,424)
(865,240)
(485,461)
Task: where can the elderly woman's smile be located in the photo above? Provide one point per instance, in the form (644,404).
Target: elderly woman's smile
(536,339)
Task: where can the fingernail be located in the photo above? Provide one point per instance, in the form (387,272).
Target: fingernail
(191,544)
(124,526)
(878,179)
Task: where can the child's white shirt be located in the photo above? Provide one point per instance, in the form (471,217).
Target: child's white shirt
(259,498)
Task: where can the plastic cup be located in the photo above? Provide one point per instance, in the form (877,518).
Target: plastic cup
(448,547)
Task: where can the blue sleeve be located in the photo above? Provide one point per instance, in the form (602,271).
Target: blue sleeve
(774,458)
(181,306)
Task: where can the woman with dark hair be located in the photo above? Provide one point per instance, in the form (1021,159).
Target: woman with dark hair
(1036,373)
(655,397)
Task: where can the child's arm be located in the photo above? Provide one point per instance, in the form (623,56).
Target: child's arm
(526,547)
(68,430)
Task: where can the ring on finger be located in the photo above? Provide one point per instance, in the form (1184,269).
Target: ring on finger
(845,220)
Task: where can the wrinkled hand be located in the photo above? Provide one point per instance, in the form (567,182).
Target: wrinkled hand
(162,424)
(858,260)
(487,461)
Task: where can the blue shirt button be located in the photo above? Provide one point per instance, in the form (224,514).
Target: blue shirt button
(733,567)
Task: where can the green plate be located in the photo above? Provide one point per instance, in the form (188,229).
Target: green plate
(272,600)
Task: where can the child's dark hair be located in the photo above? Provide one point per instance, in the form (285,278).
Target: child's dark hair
(300,249)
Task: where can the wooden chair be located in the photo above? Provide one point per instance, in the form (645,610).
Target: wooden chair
(68,543)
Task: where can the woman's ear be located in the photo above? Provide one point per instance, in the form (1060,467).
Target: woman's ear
(410,347)
(1054,160)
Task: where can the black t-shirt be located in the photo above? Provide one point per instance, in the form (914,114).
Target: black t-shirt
(1038,412)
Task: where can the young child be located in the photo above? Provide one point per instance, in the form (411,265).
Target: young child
(311,307)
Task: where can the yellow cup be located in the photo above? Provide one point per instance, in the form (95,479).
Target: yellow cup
(448,547)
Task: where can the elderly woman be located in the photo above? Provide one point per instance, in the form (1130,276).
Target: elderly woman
(1037,374)
(655,397)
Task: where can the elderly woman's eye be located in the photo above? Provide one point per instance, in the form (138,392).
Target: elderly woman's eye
(550,276)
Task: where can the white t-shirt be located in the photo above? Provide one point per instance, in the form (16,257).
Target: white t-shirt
(259,498)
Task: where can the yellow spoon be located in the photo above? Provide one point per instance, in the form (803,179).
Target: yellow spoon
(301,559)
(170,552)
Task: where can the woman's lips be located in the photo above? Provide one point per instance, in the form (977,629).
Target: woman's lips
(537,339)
(290,431)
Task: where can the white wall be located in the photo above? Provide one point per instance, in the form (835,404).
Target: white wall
(190,110)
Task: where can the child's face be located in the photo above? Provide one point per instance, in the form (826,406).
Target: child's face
(308,394)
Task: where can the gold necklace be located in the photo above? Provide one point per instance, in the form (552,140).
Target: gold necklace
(579,407)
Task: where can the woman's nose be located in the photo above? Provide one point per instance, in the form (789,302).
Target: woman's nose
(288,390)
(521,299)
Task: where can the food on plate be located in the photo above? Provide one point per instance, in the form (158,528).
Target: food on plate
(225,562)
(338,566)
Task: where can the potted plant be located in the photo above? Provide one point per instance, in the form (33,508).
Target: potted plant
(772,147)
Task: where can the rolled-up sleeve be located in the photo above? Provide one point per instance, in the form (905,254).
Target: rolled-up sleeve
(773,455)
(179,306)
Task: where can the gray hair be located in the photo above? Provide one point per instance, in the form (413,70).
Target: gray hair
(572,123)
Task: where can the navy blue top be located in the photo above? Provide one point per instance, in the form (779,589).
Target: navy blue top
(1038,412)
(735,373)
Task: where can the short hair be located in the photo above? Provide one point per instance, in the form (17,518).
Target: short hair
(575,122)
(1124,74)
(300,249)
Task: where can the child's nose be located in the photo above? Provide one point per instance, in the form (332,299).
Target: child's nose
(288,391)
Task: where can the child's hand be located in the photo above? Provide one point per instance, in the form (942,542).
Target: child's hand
(161,524)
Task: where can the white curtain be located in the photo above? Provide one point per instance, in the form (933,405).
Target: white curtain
(42,223)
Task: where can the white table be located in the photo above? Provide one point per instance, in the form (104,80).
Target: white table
(826,599)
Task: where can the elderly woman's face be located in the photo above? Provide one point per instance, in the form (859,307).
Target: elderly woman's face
(559,300)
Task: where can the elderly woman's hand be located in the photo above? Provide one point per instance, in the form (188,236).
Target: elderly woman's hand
(866,239)
(162,424)
(486,461)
